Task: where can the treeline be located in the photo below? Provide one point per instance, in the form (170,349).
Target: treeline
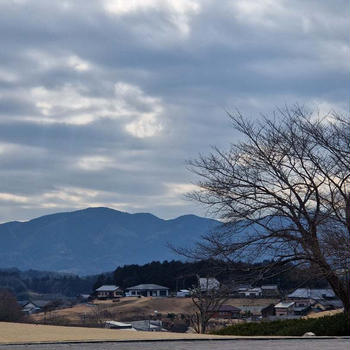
(174,274)
(23,283)
(183,275)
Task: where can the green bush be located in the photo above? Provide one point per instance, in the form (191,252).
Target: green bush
(337,325)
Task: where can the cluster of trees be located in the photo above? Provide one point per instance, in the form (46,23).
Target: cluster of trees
(22,282)
(183,275)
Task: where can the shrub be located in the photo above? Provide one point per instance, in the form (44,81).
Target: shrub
(336,325)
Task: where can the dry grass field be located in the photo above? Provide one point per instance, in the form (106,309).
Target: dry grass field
(324,313)
(130,308)
(31,333)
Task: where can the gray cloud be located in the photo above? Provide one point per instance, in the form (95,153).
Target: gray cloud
(102,101)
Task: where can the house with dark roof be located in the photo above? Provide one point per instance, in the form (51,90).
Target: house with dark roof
(306,297)
(33,306)
(108,292)
(147,290)
(228,312)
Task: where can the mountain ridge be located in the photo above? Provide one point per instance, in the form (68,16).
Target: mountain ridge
(96,239)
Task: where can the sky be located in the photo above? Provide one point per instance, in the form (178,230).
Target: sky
(102,102)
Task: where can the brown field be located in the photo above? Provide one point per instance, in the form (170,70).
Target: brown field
(129,308)
(31,333)
(324,313)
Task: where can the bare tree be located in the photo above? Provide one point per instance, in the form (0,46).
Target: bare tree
(207,300)
(283,192)
(10,310)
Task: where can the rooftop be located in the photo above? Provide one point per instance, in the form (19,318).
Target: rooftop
(316,294)
(272,286)
(284,304)
(107,288)
(147,287)
(229,308)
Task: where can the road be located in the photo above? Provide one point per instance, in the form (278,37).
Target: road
(288,344)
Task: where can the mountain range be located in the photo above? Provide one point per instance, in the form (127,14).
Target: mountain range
(94,240)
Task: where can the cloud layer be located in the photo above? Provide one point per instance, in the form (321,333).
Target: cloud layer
(103,101)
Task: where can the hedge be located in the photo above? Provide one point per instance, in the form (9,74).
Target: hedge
(336,325)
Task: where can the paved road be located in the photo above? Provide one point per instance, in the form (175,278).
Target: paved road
(290,344)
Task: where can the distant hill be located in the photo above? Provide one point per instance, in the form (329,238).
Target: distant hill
(95,239)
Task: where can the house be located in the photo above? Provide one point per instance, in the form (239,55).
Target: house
(108,292)
(315,294)
(306,297)
(31,307)
(250,292)
(301,310)
(208,283)
(270,291)
(147,290)
(228,312)
(323,305)
(267,311)
(284,308)
(28,307)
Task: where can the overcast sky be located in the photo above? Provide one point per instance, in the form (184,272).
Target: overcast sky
(103,101)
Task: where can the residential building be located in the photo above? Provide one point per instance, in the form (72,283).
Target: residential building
(267,311)
(284,308)
(306,297)
(147,290)
(108,292)
(33,306)
(250,292)
(228,312)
